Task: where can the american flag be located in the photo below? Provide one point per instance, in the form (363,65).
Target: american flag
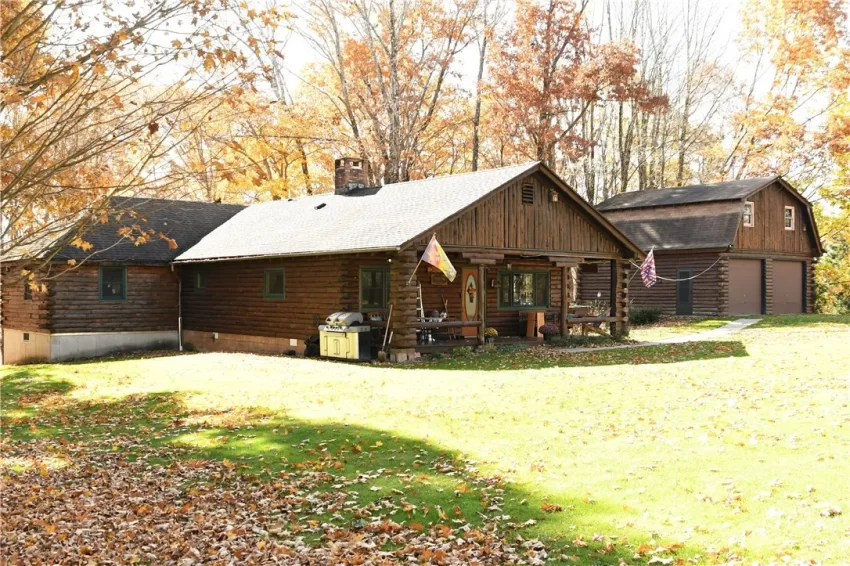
(647,270)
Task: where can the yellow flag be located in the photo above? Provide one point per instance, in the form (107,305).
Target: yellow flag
(434,255)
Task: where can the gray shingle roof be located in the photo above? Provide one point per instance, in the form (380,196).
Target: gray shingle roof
(730,190)
(364,220)
(695,232)
(184,221)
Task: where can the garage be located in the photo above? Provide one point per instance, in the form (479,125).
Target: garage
(745,286)
(788,287)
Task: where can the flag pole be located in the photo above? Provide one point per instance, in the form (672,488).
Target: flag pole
(415,269)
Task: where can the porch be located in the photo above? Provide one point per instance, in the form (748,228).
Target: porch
(514,292)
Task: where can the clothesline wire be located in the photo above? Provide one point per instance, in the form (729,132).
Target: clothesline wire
(706,270)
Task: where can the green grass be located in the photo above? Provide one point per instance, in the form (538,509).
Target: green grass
(729,448)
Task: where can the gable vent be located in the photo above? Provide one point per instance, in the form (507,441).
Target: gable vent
(528,194)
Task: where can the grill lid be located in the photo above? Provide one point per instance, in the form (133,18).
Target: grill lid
(345,319)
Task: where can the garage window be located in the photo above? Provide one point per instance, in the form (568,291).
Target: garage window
(789,217)
(749,209)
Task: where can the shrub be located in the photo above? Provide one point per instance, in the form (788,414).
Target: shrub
(642,316)
(549,330)
(462,352)
(435,356)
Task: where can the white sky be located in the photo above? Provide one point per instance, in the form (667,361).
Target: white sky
(298,53)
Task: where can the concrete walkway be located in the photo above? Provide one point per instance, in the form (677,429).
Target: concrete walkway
(722,332)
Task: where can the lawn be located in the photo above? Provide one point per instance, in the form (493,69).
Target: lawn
(713,452)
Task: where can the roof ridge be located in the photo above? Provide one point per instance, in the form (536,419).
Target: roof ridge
(526,164)
(174,200)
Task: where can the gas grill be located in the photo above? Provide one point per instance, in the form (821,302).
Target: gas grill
(345,336)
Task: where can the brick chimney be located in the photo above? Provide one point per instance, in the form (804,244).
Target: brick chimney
(350,173)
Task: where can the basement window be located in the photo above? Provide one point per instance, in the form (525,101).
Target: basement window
(113,283)
(26,336)
(274,284)
(528,194)
(523,290)
(789,217)
(749,212)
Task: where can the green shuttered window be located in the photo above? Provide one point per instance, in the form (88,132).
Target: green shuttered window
(523,290)
(274,285)
(113,283)
(374,288)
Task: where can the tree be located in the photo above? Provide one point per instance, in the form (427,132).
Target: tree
(391,61)
(549,74)
(94,97)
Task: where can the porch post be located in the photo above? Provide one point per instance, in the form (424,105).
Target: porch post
(566,292)
(403,298)
(620,278)
(482,298)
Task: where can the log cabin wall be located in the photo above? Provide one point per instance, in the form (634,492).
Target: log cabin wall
(768,234)
(508,322)
(231,300)
(662,295)
(18,312)
(151,303)
(524,216)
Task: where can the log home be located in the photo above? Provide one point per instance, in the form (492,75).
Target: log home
(267,278)
(734,248)
(117,296)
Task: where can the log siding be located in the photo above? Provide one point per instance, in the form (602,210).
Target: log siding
(18,313)
(150,304)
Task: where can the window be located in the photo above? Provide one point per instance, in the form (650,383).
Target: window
(374,288)
(26,336)
(789,217)
(274,285)
(523,290)
(113,283)
(27,290)
(528,194)
(200,281)
(356,165)
(749,209)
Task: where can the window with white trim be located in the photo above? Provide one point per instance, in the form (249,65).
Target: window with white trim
(749,214)
(789,218)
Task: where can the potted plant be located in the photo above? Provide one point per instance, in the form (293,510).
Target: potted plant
(549,331)
(490,335)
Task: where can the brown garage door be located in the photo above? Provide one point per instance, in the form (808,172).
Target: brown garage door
(745,277)
(787,287)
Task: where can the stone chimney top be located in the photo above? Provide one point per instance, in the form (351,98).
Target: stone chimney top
(349,173)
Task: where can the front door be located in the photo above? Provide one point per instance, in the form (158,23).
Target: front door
(684,292)
(469,300)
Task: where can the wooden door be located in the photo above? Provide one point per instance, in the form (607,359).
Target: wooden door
(788,287)
(470,299)
(745,286)
(684,292)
